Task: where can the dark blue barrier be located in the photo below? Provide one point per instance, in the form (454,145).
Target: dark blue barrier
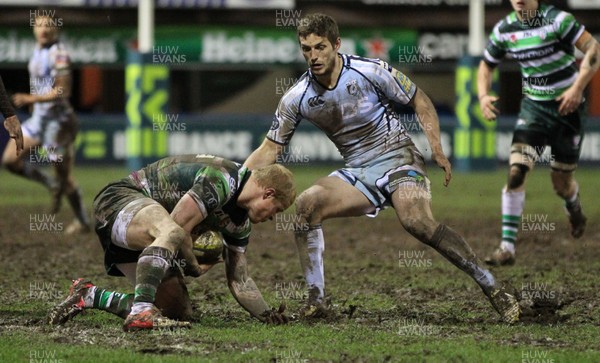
(102,138)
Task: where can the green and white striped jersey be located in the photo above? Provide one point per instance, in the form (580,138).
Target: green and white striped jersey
(544,47)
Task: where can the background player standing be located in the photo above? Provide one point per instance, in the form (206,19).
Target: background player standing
(52,125)
(351,99)
(541,38)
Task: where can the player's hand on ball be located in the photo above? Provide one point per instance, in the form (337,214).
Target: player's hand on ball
(193,269)
(276,317)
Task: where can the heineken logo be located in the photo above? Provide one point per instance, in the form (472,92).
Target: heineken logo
(218,47)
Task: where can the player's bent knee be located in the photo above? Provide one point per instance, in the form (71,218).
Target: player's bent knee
(306,206)
(562,183)
(516,176)
(172,297)
(175,236)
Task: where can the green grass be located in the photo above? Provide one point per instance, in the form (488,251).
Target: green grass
(454,322)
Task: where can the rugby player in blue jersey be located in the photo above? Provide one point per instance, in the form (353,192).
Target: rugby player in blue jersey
(542,39)
(53,126)
(351,99)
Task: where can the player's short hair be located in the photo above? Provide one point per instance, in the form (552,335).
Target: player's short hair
(318,24)
(278,177)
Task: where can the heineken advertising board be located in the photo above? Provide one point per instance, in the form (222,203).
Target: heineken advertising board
(191,46)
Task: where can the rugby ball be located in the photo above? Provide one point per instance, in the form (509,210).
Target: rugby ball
(208,247)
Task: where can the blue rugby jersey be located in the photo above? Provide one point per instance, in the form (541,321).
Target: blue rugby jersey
(357,114)
(44,66)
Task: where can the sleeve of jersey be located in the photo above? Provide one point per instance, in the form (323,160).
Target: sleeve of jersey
(286,119)
(239,242)
(5,106)
(569,29)
(61,62)
(395,84)
(494,51)
(210,191)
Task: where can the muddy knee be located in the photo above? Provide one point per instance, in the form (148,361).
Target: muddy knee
(563,184)
(175,236)
(419,227)
(516,176)
(307,208)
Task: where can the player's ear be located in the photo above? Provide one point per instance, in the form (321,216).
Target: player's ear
(338,44)
(268,193)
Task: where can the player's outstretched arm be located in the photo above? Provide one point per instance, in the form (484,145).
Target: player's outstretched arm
(246,292)
(431,128)
(13,126)
(61,89)
(484,85)
(573,96)
(265,155)
(11,122)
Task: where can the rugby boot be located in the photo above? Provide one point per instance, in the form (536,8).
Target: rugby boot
(505,303)
(72,305)
(576,218)
(500,257)
(152,319)
(76,227)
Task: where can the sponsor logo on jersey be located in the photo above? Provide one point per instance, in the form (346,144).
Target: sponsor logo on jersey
(232,185)
(275,124)
(404,82)
(352,87)
(316,101)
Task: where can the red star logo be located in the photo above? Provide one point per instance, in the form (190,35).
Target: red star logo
(377,48)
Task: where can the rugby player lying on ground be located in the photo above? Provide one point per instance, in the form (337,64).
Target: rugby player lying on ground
(144,223)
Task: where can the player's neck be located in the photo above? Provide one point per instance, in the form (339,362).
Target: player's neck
(330,79)
(527,14)
(249,192)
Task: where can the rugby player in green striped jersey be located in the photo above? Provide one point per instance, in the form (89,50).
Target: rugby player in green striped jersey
(542,39)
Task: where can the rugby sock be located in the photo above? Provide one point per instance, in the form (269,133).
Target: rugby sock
(111,301)
(512,209)
(152,265)
(456,250)
(311,245)
(573,203)
(76,202)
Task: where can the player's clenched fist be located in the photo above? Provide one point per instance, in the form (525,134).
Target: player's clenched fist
(13,126)
(276,317)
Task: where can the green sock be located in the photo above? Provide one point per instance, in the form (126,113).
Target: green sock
(152,265)
(113,302)
(512,209)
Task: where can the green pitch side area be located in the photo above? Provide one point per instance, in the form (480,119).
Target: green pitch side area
(394,299)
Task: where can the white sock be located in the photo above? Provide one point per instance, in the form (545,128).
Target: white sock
(88,298)
(574,196)
(139,307)
(507,246)
(512,210)
(315,274)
